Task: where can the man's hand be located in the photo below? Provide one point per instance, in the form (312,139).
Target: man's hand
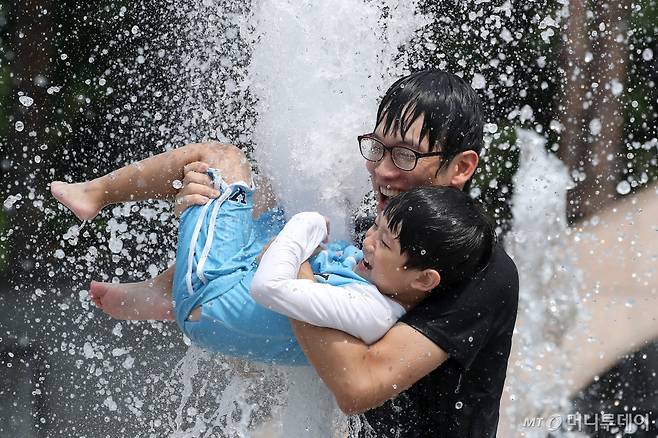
(197,187)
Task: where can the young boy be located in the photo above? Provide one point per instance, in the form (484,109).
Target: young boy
(425,237)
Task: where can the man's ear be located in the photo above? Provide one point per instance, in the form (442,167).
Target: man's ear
(426,280)
(462,167)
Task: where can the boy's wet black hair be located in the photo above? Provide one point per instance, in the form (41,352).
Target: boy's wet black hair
(452,111)
(442,228)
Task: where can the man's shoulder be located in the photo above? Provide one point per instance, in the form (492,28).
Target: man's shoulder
(501,260)
(501,272)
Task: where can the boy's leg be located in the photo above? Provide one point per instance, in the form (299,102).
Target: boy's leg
(264,198)
(151,299)
(147,179)
(145,300)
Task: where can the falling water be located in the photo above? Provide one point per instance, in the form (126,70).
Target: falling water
(549,281)
(317,69)
(272,65)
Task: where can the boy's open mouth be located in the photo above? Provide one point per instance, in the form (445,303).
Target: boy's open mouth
(366,264)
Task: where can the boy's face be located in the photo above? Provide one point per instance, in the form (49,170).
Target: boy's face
(388,180)
(384,264)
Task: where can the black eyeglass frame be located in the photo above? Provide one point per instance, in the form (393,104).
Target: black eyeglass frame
(390,149)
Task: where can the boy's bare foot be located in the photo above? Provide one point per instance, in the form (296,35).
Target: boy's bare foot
(132,301)
(81,198)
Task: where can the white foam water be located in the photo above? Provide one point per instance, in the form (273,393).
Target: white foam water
(318,69)
(313,73)
(548,286)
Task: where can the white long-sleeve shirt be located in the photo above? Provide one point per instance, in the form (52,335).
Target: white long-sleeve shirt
(356,308)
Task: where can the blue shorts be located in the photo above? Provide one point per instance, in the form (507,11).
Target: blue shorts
(215,262)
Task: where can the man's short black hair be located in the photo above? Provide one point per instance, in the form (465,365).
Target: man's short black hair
(442,228)
(452,111)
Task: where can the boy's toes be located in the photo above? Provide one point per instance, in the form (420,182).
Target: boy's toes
(97,302)
(55,188)
(96,290)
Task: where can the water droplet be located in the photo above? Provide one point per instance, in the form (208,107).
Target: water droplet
(26,101)
(11,200)
(470,339)
(478,82)
(178,184)
(616,87)
(623,188)
(423,252)
(595,126)
(647,54)
(491,128)
(115,245)
(19,126)
(135,30)
(459,405)
(63,56)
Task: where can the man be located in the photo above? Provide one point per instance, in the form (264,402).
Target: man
(445,360)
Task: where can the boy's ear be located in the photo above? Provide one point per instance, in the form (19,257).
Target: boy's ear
(427,280)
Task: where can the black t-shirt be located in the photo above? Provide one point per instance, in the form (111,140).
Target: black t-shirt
(474,325)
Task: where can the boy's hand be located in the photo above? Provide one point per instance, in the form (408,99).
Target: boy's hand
(197,187)
(267,245)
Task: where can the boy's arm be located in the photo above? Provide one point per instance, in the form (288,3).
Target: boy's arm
(363,377)
(358,309)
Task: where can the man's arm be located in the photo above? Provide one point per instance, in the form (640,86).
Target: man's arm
(362,376)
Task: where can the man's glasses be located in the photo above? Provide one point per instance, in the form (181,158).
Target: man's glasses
(403,158)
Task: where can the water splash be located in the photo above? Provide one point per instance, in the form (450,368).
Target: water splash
(304,79)
(548,283)
(317,70)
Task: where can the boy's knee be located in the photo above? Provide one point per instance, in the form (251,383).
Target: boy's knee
(214,151)
(231,162)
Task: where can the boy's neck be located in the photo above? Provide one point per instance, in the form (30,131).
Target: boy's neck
(409,300)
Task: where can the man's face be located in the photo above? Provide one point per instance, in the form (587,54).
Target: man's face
(388,180)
